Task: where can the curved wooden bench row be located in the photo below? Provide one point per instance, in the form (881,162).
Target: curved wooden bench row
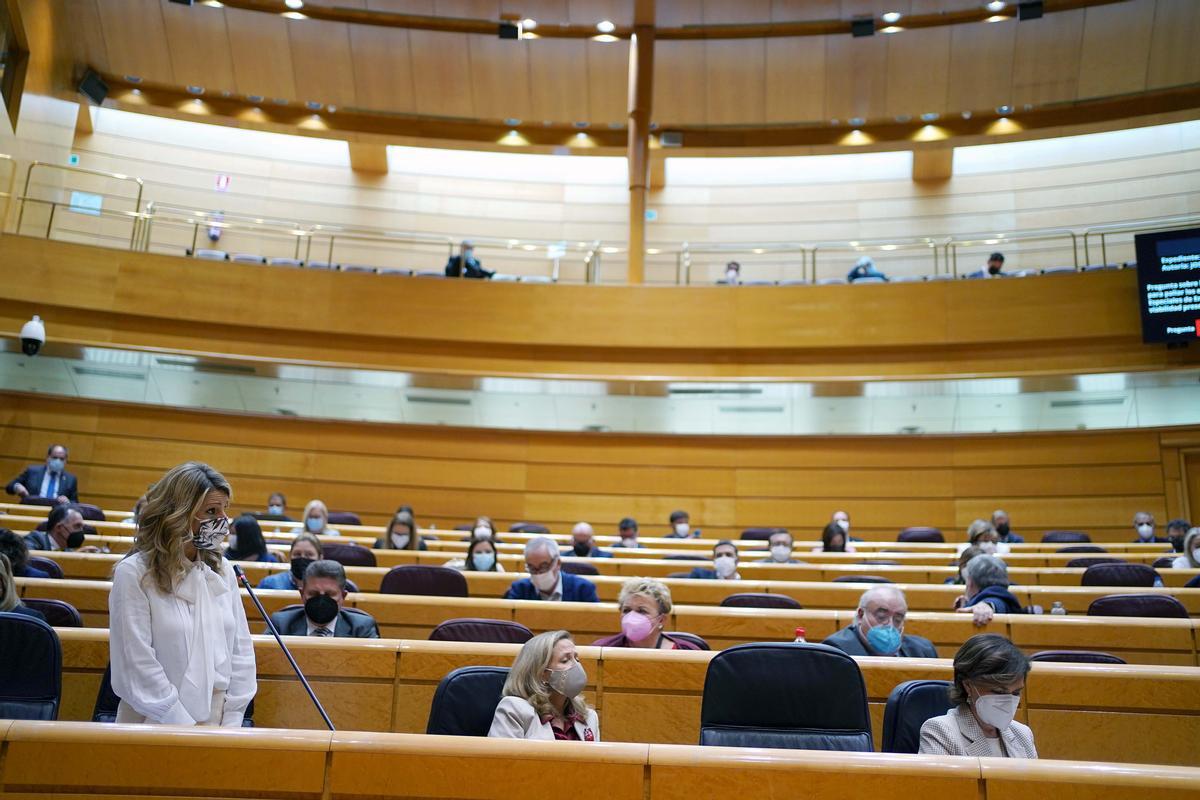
(810,594)
(355,765)
(1078,711)
(1144,641)
(821,573)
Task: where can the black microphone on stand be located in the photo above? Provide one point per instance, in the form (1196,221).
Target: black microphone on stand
(241,576)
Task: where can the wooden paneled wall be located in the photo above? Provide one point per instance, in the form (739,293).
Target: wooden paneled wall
(1093,481)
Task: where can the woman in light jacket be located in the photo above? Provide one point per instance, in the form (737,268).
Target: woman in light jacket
(178,641)
(542,694)
(989,676)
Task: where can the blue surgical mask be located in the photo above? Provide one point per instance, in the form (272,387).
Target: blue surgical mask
(483,562)
(275,510)
(56,464)
(314,524)
(884,639)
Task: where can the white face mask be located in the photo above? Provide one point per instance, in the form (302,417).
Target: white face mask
(682,529)
(731,275)
(844,524)
(482,533)
(400,540)
(781,552)
(725,566)
(546,581)
(629,542)
(996,710)
(988,547)
(1196,555)
(1145,531)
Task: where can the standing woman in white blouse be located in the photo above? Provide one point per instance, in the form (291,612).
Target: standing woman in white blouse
(178,640)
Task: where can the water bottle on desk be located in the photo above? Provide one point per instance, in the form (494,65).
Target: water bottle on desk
(800,636)
(1057,608)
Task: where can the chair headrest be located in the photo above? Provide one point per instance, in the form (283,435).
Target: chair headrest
(465,701)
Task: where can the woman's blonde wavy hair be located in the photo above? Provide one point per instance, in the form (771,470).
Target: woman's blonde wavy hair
(8,589)
(165,522)
(525,678)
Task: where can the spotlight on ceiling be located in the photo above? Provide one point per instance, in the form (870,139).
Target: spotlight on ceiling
(996,6)
(1030,9)
(891,17)
(862,27)
(605,26)
(294,5)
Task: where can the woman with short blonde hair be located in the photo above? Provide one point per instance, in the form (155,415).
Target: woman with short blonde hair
(179,644)
(316,519)
(542,695)
(645,605)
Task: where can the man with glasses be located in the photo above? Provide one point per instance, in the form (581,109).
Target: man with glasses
(546,580)
(878,628)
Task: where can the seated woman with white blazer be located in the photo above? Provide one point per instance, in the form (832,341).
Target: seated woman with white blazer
(989,676)
(542,694)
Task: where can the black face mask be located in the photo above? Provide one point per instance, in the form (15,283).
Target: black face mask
(994,270)
(1177,543)
(75,539)
(299,565)
(321,609)
(582,549)
(1002,529)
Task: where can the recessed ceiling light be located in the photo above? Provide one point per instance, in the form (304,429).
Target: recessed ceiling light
(582,124)
(254,98)
(903,118)
(996,6)
(891,17)
(930,116)
(195,90)
(857,121)
(136,91)
(529,24)
(293,15)
(295,5)
(891,29)
(133,78)
(967,115)
(604,37)
(605,26)
(331,109)
(279,101)
(313,105)
(512,122)
(1004,109)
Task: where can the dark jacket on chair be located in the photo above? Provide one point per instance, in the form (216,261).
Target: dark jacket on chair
(474,268)
(848,641)
(32,479)
(999,598)
(574,590)
(360,625)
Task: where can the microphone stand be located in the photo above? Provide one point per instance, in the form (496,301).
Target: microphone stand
(241,576)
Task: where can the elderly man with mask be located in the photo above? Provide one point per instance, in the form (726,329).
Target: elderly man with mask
(878,628)
(1143,525)
(583,543)
(64,531)
(50,480)
(1000,522)
(323,591)
(779,546)
(546,580)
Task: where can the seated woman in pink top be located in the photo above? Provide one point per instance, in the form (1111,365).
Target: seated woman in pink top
(645,605)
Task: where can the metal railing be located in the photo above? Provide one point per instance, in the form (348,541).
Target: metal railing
(996,239)
(930,246)
(117,176)
(1103,231)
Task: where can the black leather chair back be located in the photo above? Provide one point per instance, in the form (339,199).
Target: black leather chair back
(1090,561)
(921,534)
(107,702)
(91,512)
(344,518)
(1065,537)
(30,668)
(30,500)
(465,701)
(527,527)
(684,557)
(57,613)
(759,600)
(908,707)
(1138,605)
(470,629)
(579,568)
(691,637)
(792,696)
(861,579)
(1077,657)
(1163,563)
(428,581)
(1081,548)
(1122,573)
(46,565)
(760,534)
(348,554)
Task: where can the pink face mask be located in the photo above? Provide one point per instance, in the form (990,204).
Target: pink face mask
(636,627)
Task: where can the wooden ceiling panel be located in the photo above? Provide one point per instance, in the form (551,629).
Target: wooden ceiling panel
(262,54)
(442,74)
(855,76)
(134,37)
(607,62)
(1115,50)
(795,79)
(499,75)
(1174,57)
(735,70)
(1046,58)
(548,12)
(199,46)
(680,94)
(558,81)
(382,57)
(981,65)
(589,12)
(321,60)
(918,71)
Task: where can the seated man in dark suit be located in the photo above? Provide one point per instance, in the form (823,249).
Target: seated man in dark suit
(324,592)
(13,546)
(64,531)
(878,628)
(725,561)
(583,543)
(50,480)
(546,580)
(465,265)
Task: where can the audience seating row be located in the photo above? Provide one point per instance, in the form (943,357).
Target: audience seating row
(1137,640)
(1128,713)
(810,594)
(320,765)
